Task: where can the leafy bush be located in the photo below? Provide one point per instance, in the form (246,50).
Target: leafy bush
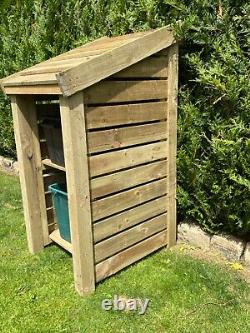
(214,102)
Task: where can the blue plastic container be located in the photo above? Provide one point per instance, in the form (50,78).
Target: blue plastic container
(60,202)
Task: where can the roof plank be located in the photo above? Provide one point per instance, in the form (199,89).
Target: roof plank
(86,65)
(113,61)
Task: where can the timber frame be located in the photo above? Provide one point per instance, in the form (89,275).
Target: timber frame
(117,102)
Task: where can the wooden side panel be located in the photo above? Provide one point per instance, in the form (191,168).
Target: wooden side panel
(29,157)
(124,200)
(126,91)
(122,180)
(100,141)
(172,141)
(116,115)
(127,257)
(116,223)
(99,68)
(151,67)
(129,237)
(125,158)
(76,163)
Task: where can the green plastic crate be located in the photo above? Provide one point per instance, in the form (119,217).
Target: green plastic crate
(60,202)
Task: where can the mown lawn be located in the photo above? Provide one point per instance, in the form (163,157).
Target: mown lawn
(37,292)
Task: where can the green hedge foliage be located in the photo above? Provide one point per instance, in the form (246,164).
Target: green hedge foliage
(214,97)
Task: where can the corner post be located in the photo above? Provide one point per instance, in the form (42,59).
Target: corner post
(172,142)
(30,170)
(77,175)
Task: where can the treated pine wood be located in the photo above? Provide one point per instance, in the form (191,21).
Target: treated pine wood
(55,237)
(33,90)
(76,163)
(128,218)
(126,158)
(113,115)
(48,162)
(100,141)
(124,200)
(26,80)
(69,53)
(125,55)
(126,91)
(152,67)
(172,142)
(127,257)
(118,181)
(129,237)
(29,159)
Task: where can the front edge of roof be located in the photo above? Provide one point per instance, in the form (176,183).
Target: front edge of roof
(114,60)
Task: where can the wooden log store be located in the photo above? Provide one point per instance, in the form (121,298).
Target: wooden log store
(115,100)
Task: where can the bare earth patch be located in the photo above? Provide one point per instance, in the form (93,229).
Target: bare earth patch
(213,256)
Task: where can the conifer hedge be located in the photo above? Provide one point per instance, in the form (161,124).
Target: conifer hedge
(214,90)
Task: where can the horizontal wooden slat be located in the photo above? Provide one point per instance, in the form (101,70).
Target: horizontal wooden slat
(126,136)
(127,257)
(148,68)
(118,181)
(125,91)
(47,162)
(33,90)
(24,80)
(128,218)
(124,200)
(112,115)
(129,237)
(55,237)
(125,158)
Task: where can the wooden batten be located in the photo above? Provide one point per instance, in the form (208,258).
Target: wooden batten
(127,257)
(76,163)
(127,238)
(172,142)
(29,158)
(126,158)
(126,91)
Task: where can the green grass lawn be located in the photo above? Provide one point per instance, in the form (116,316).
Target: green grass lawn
(37,291)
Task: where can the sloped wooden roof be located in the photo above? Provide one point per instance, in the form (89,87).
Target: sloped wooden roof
(83,66)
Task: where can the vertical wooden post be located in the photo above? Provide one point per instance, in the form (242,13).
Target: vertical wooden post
(172,142)
(77,174)
(30,170)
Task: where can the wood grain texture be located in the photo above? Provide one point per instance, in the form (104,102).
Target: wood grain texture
(124,200)
(126,91)
(114,224)
(113,115)
(33,90)
(104,140)
(76,163)
(126,158)
(172,142)
(151,67)
(126,257)
(114,60)
(129,237)
(29,159)
(118,181)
